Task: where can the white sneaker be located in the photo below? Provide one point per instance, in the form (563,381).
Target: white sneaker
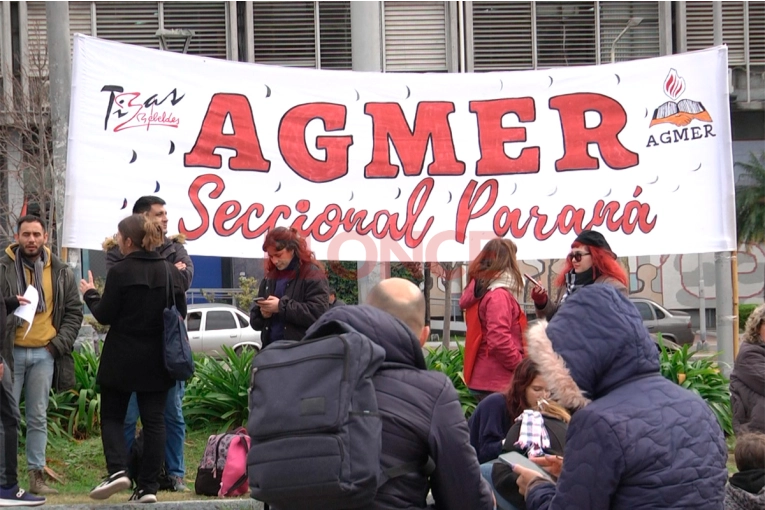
(141,496)
(111,485)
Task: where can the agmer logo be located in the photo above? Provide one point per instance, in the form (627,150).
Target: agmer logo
(679,113)
(682,112)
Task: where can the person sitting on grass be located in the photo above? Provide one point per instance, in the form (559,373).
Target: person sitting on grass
(746,489)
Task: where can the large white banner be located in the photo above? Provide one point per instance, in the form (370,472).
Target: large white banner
(402,166)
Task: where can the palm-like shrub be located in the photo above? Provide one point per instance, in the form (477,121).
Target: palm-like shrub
(450,362)
(702,377)
(217,393)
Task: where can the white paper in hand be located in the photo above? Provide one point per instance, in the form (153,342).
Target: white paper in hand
(27,312)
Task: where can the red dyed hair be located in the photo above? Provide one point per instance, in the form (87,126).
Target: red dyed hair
(604,263)
(515,394)
(283,238)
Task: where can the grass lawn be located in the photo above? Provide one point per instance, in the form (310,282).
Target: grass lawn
(81,466)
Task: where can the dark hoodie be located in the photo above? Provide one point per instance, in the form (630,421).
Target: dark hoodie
(637,441)
(422,418)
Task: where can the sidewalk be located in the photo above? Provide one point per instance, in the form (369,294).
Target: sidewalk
(217,504)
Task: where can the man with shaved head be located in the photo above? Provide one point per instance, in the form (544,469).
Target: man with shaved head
(403,300)
(425,436)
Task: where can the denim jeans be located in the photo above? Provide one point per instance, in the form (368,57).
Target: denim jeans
(502,503)
(9,431)
(114,405)
(33,373)
(175,428)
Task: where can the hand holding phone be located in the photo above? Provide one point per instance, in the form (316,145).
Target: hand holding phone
(533,281)
(515,458)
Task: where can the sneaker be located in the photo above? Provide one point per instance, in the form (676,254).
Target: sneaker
(178,485)
(16,496)
(141,496)
(112,484)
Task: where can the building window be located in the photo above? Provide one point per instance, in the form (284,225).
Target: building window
(303,34)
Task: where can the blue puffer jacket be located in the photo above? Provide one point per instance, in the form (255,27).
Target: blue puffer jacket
(637,440)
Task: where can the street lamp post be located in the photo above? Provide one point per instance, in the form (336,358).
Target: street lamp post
(633,22)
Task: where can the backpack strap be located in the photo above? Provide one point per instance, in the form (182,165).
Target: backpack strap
(409,467)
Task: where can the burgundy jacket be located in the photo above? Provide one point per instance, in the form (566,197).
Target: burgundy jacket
(501,348)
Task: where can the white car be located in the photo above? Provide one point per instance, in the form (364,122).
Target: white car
(211,325)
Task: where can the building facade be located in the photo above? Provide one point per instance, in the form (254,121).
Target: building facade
(455,36)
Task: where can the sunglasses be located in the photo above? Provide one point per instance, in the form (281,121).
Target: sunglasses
(577,255)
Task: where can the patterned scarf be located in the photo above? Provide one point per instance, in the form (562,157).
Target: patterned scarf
(533,437)
(37,267)
(575,281)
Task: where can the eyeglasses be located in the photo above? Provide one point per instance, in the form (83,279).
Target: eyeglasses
(577,255)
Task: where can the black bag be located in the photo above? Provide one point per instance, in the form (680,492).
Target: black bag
(315,427)
(134,465)
(179,362)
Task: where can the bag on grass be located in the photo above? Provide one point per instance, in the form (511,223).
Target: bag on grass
(211,468)
(134,465)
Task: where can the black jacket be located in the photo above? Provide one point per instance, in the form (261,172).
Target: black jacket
(7,305)
(135,295)
(422,418)
(305,299)
(747,389)
(172,250)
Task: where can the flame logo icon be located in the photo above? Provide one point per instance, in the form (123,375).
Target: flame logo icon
(674,85)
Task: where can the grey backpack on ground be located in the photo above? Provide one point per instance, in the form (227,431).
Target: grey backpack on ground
(314,423)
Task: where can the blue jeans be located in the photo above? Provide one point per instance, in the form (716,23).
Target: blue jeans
(33,373)
(175,427)
(502,503)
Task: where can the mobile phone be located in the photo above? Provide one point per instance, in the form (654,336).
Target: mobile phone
(259,299)
(533,281)
(514,458)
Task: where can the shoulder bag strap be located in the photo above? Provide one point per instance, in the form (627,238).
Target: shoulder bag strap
(169,287)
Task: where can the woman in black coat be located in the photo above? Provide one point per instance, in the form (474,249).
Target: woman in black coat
(295,291)
(135,295)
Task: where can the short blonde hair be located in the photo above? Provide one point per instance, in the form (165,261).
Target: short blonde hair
(753,325)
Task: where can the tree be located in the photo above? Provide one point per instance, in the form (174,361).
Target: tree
(26,148)
(750,201)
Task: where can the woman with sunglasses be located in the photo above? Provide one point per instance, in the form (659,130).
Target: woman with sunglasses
(590,261)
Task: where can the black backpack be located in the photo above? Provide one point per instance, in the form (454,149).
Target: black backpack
(314,423)
(134,465)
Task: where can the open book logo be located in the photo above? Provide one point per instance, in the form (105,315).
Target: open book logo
(679,113)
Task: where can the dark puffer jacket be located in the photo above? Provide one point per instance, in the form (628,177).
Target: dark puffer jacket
(421,417)
(747,389)
(642,442)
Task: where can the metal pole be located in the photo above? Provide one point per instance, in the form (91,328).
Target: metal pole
(367,55)
(734,293)
(717,23)
(725,317)
(60,73)
(702,309)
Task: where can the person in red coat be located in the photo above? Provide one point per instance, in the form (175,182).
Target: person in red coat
(495,321)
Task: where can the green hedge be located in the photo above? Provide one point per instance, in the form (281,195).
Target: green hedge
(744,311)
